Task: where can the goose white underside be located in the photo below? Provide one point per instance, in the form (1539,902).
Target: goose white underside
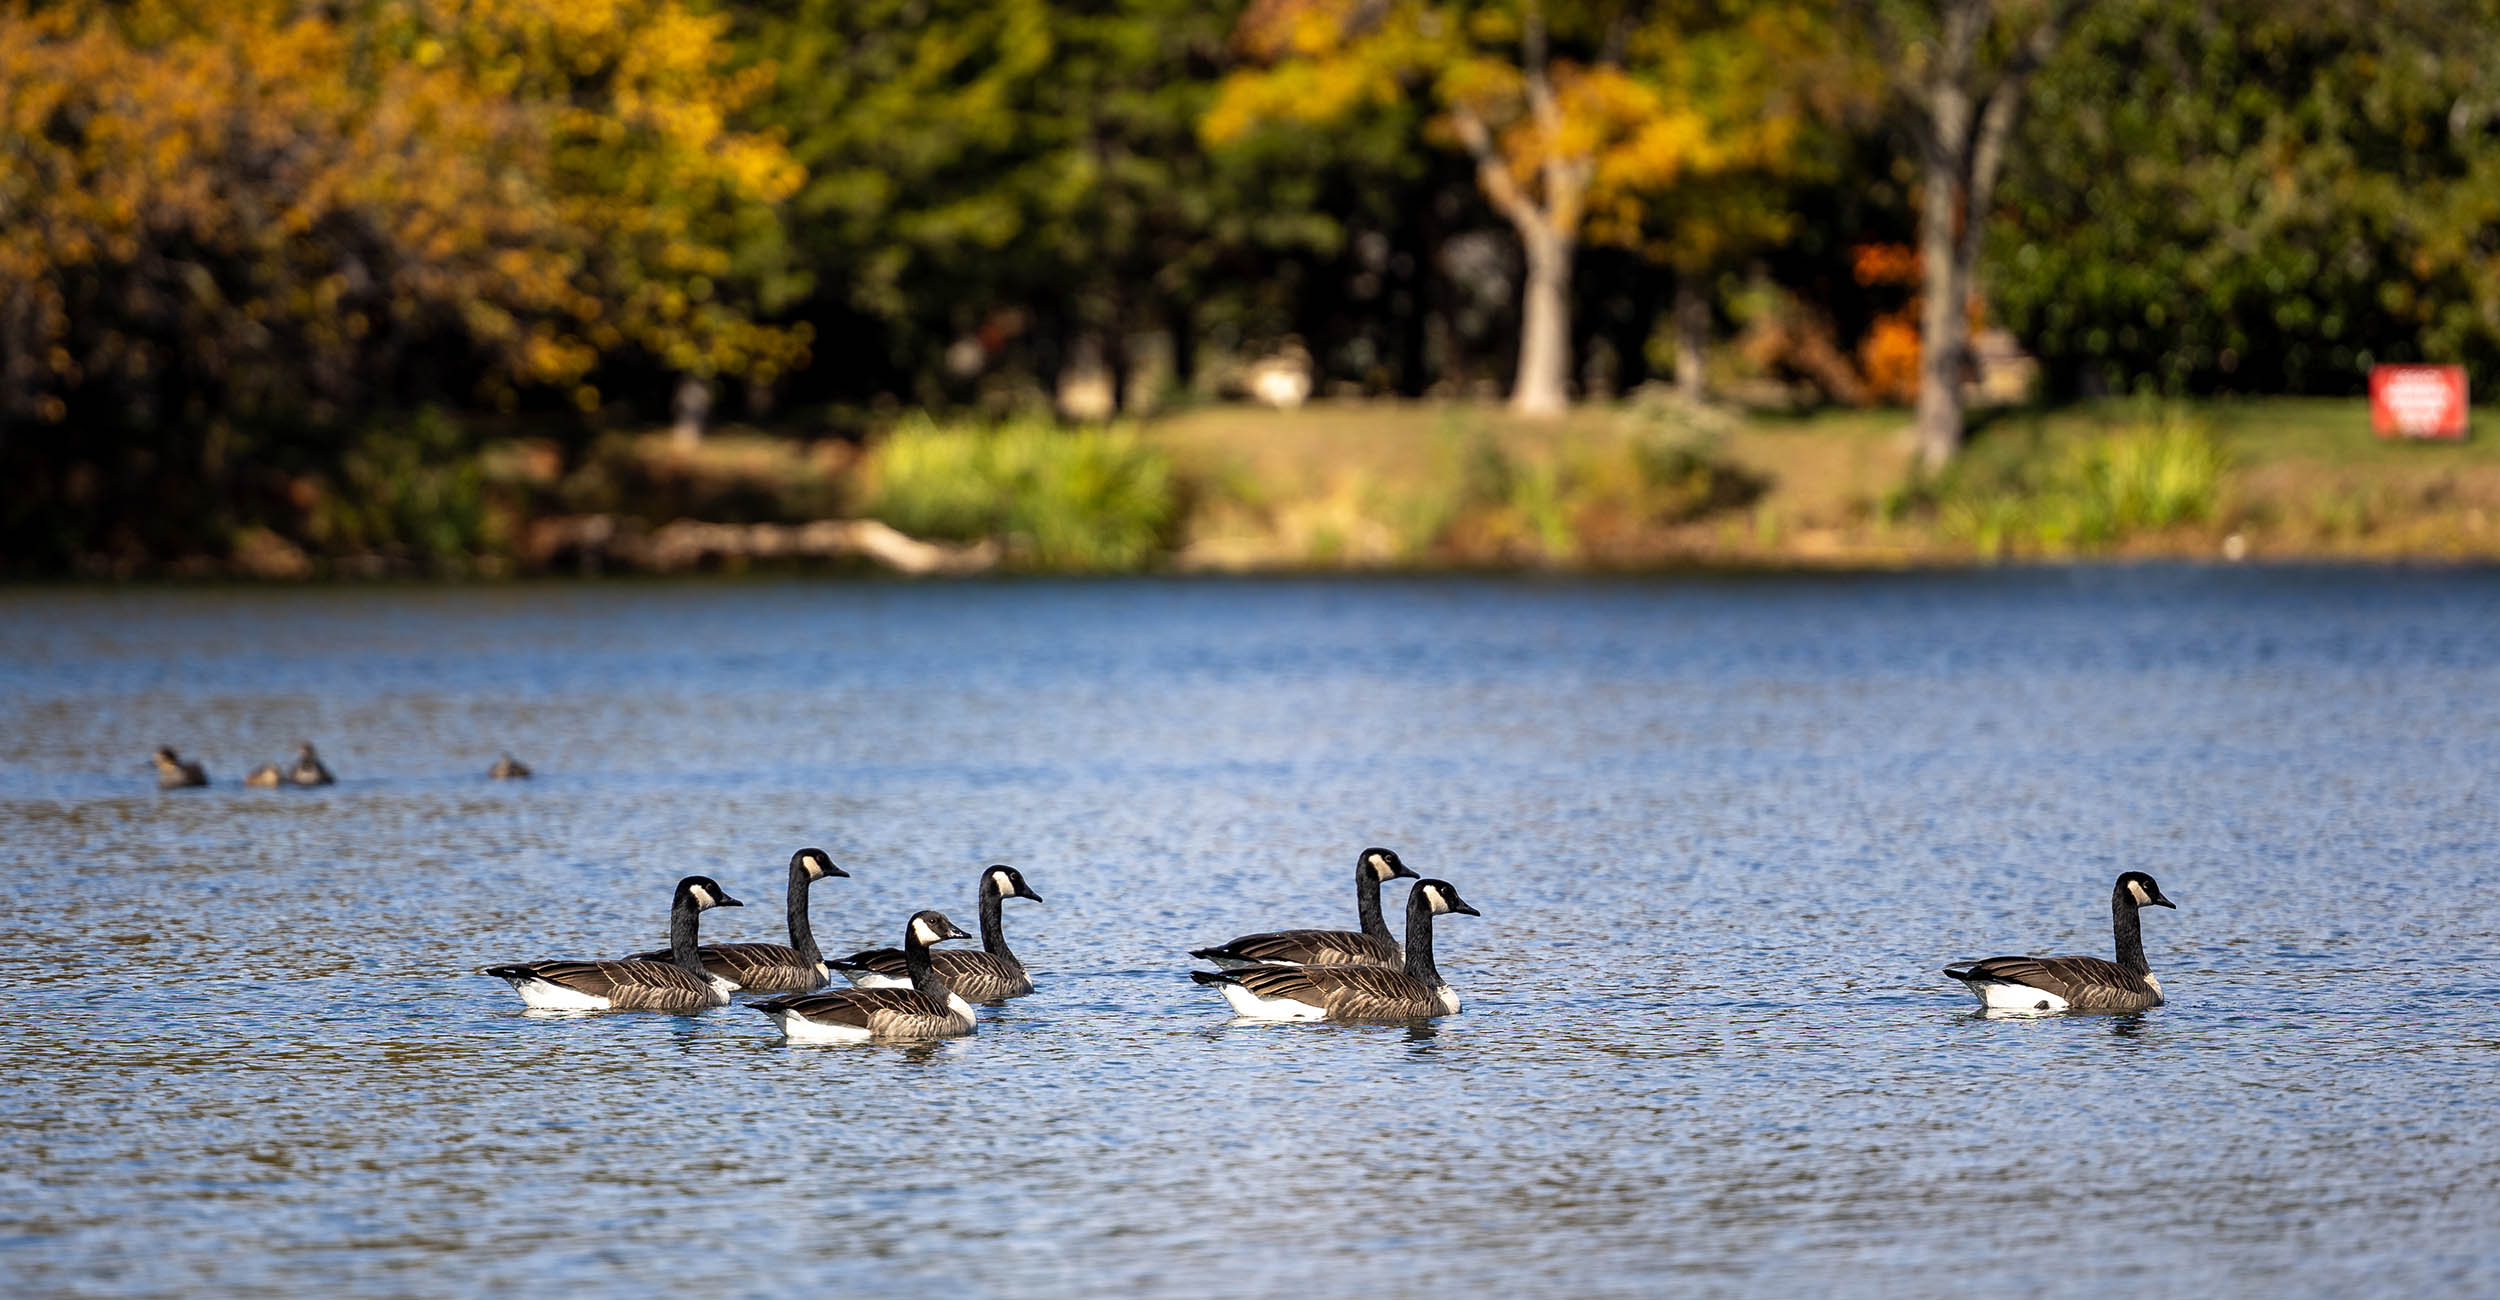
(1250,1006)
(800,1029)
(2020,999)
(541,995)
(546,995)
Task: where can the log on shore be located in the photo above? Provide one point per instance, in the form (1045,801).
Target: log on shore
(600,541)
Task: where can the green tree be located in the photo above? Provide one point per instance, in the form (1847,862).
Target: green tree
(2233,195)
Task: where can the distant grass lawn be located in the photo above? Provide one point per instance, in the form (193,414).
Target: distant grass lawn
(1389,483)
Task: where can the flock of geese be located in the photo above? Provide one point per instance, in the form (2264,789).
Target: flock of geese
(174,772)
(919,992)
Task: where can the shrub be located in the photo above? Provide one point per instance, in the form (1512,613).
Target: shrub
(1082,501)
(2080,495)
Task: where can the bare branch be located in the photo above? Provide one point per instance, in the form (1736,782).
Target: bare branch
(1501,189)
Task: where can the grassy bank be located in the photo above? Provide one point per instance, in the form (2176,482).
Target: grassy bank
(1390,486)
(1371,485)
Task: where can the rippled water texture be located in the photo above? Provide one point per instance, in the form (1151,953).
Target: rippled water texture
(1723,835)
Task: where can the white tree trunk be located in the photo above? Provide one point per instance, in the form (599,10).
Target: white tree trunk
(1943,322)
(1543,385)
(1692,336)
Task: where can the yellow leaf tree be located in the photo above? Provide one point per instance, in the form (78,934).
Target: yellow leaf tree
(267,210)
(1581,121)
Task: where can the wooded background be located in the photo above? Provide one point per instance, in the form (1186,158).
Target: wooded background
(251,245)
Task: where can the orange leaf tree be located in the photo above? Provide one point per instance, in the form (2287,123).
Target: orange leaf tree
(1584,121)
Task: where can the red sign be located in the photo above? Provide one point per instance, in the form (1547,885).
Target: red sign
(2417,401)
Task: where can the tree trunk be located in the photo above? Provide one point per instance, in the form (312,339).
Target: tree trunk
(694,407)
(1692,335)
(1543,385)
(1942,322)
(1961,151)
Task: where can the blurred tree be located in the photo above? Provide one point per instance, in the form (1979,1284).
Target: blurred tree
(2240,196)
(1572,119)
(1960,69)
(1020,176)
(222,219)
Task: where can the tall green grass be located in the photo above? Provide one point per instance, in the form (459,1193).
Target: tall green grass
(1095,500)
(2079,494)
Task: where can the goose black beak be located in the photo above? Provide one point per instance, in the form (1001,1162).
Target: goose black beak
(832,870)
(727,901)
(1027,893)
(2164,902)
(1465,910)
(1405,872)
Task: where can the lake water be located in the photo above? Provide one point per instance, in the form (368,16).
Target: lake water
(1723,833)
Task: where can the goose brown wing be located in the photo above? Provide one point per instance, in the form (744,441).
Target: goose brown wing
(853,1007)
(880,961)
(757,966)
(1375,993)
(1344,992)
(2083,982)
(656,986)
(1308,948)
(586,977)
(980,976)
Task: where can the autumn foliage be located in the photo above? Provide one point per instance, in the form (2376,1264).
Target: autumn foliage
(242,207)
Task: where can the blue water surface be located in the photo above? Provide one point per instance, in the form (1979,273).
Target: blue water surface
(1723,834)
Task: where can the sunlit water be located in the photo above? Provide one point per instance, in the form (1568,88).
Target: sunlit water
(1723,834)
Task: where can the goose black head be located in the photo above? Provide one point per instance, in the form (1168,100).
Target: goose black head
(304,752)
(815,865)
(1440,896)
(1007,882)
(2140,887)
(1384,865)
(932,927)
(165,757)
(705,892)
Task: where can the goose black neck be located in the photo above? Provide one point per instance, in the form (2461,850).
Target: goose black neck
(1419,940)
(681,931)
(2129,931)
(993,920)
(1367,901)
(924,977)
(802,934)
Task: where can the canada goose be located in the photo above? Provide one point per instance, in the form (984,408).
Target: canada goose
(508,768)
(172,773)
(1413,992)
(928,1009)
(985,976)
(796,967)
(1372,947)
(2077,983)
(678,984)
(307,768)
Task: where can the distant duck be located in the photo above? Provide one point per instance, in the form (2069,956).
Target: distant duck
(926,1010)
(307,768)
(678,984)
(985,976)
(264,777)
(173,773)
(508,768)
(2044,984)
(1415,991)
(796,967)
(1373,946)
